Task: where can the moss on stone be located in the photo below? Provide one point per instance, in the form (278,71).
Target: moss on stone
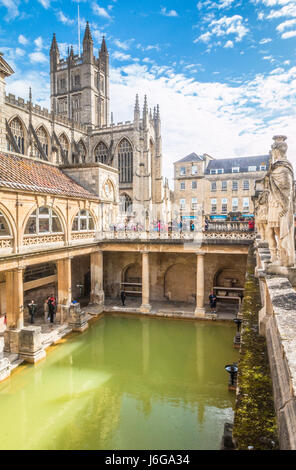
(255,420)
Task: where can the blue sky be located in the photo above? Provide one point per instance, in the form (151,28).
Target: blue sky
(223,71)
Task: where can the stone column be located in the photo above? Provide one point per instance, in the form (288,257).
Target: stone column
(145,307)
(14,309)
(96,275)
(64,288)
(200,285)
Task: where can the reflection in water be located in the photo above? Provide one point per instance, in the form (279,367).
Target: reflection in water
(125,383)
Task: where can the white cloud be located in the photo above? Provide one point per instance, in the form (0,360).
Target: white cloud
(12,8)
(289,34)
(285,25)
(100,11)
(225,26)
(121,56)
(216,118)
(38,57)
(265,41)
(45,3)
(23,40)
(39,43)
(64,19)
(229,45)
(170,13)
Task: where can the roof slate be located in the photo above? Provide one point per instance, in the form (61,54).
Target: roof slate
(242,162)
(193,157)
(21,173)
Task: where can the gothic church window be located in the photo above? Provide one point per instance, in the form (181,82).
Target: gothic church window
(43,220)
(43,139)
(65,145)
(82,151)
(126,203)
(18,133)
(101,153)
(125,162)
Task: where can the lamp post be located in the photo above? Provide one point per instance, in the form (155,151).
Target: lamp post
(232,369)
(237,338)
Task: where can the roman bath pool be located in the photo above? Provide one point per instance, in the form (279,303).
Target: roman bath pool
(125,383)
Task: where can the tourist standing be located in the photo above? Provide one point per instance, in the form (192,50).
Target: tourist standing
(213,301)
(251,225)
(32,309)
(51,307)
(123,297)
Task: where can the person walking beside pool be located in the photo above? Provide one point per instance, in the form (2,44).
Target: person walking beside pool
(213,301)
(123,297)
(32,309)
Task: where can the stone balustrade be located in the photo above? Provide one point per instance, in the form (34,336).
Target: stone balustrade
(233,226)
(277,321)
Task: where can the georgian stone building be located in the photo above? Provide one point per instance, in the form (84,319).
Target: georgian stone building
(78,130)
(217,187)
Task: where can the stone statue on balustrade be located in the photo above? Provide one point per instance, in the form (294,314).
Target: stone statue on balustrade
(280,213)
(261,209)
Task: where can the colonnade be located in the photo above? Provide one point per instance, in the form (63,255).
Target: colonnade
(200,284)
(15,289)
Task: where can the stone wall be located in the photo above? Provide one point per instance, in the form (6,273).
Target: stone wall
(278,324)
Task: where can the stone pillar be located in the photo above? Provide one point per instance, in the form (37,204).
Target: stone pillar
(14,309)
(96,275)
(64,288)
(200,285)
(77,318)
(145,307)
(15,298)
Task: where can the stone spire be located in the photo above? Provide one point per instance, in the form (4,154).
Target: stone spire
(145,113)
(54,44)
(104,49)
(88,45)
(137,112)
(54,53)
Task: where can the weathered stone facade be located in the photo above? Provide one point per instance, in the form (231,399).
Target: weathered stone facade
(78,132)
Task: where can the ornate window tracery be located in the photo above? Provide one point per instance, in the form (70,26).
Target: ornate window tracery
(43,139)
(101,153)
(18,132)
(125,162)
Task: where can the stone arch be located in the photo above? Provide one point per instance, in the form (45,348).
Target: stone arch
(101,152)
(43,136)
(223,277)
(20,135)
(54,208)
(65,143)
(125,155)
(132,273)
(126,203)
(109,182)
(82,152)
(177,291)
(92,214)
(9,219)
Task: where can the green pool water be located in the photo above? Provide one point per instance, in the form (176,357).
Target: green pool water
(125,383)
